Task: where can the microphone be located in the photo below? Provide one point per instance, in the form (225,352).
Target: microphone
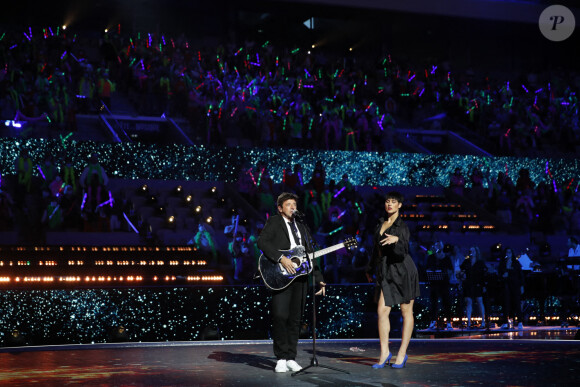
(298,214)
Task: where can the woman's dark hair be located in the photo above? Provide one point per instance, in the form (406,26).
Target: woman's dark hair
(285,196)
(395,195)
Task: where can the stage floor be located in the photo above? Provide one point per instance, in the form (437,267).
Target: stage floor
(549,357)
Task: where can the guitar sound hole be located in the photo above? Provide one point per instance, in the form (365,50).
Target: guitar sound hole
(296,261)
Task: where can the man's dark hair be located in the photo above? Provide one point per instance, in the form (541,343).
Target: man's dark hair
(285,196)
(395,195)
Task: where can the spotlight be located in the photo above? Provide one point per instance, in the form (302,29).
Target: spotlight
(178,190)
(170,222)
(188,199)
(64,27)
(160,211)
(152,199)
(198,209)
(209,220)
(144,189)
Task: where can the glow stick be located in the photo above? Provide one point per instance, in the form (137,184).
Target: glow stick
(252,176)
(41,173)
(84,200)
(130,224)
(107,202)
(335,231)
(380,123)
(339,192)
(53,212)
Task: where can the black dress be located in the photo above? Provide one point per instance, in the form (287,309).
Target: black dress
(396,273)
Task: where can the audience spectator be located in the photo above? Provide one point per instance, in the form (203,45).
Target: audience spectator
(457,182)
(204,243)
(94,181)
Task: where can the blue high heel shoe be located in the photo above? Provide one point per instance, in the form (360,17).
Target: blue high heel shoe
(387,361)
(402,365)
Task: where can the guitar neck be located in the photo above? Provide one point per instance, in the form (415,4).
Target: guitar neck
(327,250)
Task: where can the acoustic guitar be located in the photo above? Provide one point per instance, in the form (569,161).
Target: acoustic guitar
(276,277)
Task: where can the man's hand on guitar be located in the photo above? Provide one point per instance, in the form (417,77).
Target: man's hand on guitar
(288,265)
(322,290)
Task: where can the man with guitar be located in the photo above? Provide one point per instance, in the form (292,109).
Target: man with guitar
(279,238)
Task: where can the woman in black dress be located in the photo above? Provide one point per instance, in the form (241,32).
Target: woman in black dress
(396,278)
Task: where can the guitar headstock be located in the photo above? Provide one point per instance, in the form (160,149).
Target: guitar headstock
(350,243)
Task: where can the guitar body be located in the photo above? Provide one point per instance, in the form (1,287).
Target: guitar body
(276,277)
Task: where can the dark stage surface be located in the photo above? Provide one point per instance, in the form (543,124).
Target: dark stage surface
(547,357)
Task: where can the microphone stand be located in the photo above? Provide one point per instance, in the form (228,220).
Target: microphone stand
(314,361)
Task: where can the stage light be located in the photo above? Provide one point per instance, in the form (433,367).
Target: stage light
(170,222)
(209,220)
(189,199)
(144,189)
(178,190)
(160,211)
(198,209)
(64,27)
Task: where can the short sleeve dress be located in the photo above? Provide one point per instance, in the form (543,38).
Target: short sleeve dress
(396,273)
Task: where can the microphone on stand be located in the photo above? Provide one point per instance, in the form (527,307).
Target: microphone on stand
(298,214)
